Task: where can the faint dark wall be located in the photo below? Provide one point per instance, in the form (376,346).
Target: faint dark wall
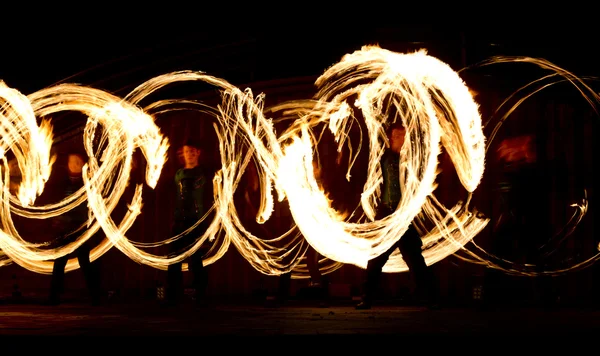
(567,132)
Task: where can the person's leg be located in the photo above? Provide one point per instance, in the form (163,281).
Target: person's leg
(373,276)
(496,286)
(283,291)
(58,279)
(318,280)
(90,273)
(312,261)
(174,283)
(174,289)
(200,275)
(375,269)
(410,246)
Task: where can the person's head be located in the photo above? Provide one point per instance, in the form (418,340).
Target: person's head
(191,151)
(75,163)
(396,135)
(518,149)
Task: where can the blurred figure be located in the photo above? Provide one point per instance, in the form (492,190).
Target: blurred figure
(193,199)
(521,185)
(523,224)
(69,223)
(410,243)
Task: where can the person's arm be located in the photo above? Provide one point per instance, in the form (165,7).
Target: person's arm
(207,190)
(177,206)
(385,174)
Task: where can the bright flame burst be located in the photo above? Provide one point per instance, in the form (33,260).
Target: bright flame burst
(425,94)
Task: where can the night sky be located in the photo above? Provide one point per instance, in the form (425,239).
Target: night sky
(118,59)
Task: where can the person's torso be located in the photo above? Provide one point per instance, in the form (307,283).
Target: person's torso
(190,187)
(391,192)
(79,214)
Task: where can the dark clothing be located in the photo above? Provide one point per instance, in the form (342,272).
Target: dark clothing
(391,192)
(410,245)
(69,222)
(78,215)
(312,262)
(196,265)
(318,280)
(521,223)
(523,234)
(191,185)
(90,270)
(283,288)
(192,202)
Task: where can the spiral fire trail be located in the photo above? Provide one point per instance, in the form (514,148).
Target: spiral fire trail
(425,94)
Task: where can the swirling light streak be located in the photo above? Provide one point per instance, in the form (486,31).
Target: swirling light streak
(409,81)
(105,109)
(425,94)
(556,76)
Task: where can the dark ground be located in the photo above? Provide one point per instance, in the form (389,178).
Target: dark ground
(340,318)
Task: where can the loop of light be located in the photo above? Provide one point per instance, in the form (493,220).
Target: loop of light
(425,94)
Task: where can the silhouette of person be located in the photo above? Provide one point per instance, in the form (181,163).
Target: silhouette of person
(410,245)
(193,196)
(523,228)
(68,223)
